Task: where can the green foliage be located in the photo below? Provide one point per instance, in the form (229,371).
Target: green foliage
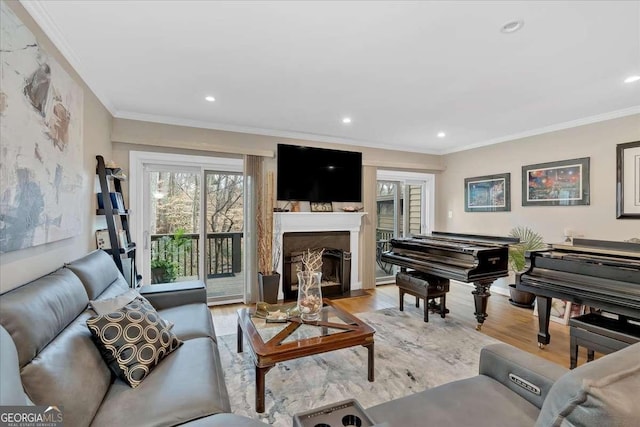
(529,241)
(165,261)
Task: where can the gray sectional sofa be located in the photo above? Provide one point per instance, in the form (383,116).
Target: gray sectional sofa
(48,356)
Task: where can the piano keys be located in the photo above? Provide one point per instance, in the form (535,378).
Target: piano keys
(464,257)
(596,273)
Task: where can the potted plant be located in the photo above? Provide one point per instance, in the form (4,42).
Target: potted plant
(164,265)
(529,241)
(268,252)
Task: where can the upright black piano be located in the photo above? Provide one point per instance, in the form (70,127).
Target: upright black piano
(463,257)
(595,273)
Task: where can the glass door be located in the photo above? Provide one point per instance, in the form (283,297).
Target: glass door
(224,228)
(402,210)
(172,219)
(389,224)
(192,217)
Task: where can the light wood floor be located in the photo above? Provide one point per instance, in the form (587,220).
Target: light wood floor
(509,324)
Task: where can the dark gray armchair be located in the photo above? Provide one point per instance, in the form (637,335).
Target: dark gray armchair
(515,388)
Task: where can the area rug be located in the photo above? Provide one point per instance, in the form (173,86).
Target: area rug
(410,356)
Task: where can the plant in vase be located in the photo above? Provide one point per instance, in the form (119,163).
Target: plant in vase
(529,241)
(164,265)
(309,285)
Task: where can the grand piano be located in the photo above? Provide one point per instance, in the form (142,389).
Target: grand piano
(463,257)
(595,273)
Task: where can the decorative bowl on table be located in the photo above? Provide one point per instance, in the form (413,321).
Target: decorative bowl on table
(276,312)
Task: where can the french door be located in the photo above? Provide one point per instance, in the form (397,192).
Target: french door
(404,208)
(192,223)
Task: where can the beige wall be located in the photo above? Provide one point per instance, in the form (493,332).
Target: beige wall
(136,135)
(596,221)
(19,267)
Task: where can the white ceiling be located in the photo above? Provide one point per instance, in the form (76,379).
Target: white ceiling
(403,71)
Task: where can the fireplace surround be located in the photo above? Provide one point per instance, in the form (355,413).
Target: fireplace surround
(346,224)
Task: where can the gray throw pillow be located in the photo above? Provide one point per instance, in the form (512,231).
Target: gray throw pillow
(133,340)
(109,305)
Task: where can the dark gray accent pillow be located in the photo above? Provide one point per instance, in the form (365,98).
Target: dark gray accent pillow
(133,340)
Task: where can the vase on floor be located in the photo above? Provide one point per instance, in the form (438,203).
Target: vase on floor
(268,286)
(309,295)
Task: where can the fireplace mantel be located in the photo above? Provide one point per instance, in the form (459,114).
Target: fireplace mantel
(300,222)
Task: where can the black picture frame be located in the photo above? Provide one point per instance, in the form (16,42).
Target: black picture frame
(561,183)
(628,180)
(488,193)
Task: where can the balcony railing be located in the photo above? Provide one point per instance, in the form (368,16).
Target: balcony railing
(383,236)
(224,252)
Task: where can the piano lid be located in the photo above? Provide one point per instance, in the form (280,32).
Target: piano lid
(604,247)
(471,238)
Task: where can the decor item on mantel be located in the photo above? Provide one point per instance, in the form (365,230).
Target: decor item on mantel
(309,286)
(268,253)
(529,241)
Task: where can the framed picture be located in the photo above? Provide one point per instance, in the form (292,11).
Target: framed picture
(321,207)
(563,183)
(560,310)
(102,239)
(490,193)
(628,180)
(577,310)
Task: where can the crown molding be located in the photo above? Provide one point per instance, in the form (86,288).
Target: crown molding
(168,120)
(37,10)
(551,128)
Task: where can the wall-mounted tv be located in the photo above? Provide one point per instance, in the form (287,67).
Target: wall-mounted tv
(318,174)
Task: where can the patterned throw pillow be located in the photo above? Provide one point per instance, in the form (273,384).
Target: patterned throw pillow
(133,340)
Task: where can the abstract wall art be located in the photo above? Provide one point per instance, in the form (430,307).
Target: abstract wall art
(41,162)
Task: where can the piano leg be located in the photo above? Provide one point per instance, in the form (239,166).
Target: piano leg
(544,313)
(480,297)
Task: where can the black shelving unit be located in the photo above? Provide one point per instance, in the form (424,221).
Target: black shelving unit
(117,219)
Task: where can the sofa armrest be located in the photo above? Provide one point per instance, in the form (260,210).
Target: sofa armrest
(528,375)
(167,295)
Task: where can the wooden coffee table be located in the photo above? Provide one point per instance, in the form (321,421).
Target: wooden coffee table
(270,343)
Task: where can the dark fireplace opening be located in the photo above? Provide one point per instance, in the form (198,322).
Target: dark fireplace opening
(336,261)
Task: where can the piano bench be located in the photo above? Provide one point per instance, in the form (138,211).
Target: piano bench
(425,286)
(601,334)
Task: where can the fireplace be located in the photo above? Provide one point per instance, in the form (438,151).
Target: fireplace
(304,230)
(336,273)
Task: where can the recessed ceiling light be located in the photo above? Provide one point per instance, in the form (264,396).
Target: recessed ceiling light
(441,134)
(346,120)
(632,79)
(209,98)
(512,26)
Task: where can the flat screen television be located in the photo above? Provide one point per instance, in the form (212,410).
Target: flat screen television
(318,174)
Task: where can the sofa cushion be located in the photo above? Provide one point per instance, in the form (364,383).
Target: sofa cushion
(97,272)
(109,305)
(600,393)
(479,401)
(187,385)
(11,391)
(133,340)
(35,313)
(69,372)
(191,321)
